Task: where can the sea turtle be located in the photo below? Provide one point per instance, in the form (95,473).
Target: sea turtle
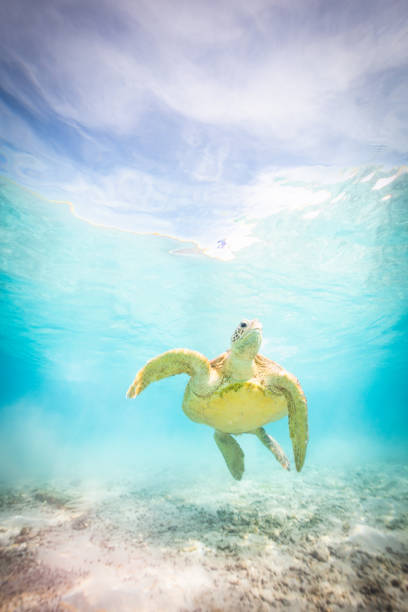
(238,392)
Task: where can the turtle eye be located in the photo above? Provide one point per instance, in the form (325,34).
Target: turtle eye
(243,324)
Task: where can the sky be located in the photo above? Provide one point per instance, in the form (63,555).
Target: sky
(172,116)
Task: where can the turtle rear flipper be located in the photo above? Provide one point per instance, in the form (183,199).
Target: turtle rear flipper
(272,445)
(232,453)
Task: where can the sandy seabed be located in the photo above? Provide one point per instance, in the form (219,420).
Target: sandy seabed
(329,539)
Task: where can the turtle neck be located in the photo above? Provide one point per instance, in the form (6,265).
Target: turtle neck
(240,365)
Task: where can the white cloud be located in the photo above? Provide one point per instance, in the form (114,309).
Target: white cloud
(210,164)
(217,64)
(245,87)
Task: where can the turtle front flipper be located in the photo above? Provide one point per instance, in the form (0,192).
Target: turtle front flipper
(170,363)
(272,445)
(232,453)
(289,386)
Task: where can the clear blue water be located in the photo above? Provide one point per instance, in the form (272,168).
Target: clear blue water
(83,307)
(166,170)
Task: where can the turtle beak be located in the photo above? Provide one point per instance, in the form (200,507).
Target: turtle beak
(255,324)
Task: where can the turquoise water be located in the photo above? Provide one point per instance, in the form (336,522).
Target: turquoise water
(83,307)
(167,170)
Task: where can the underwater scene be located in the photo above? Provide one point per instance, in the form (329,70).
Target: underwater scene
(119,504)
(261,464)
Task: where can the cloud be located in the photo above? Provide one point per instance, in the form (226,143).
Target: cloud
(178,117)
(275,72)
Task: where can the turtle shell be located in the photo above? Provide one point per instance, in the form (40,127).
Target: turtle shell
(236,408)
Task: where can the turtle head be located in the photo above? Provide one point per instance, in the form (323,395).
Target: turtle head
(247,338)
